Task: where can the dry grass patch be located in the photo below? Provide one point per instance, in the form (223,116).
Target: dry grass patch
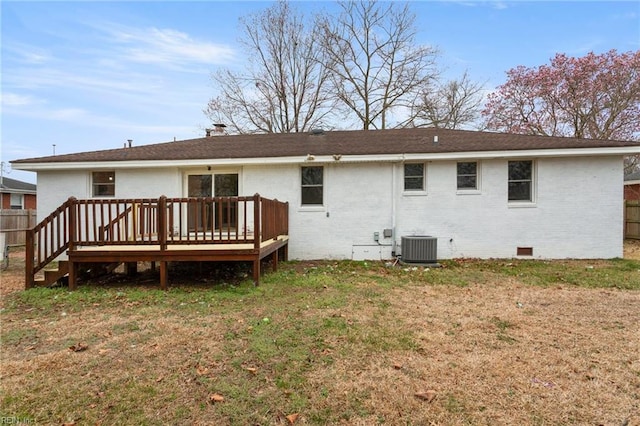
(476,342)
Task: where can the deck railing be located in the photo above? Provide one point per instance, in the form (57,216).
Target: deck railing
(150,221)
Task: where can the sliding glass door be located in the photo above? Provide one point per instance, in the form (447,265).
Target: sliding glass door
(209,216)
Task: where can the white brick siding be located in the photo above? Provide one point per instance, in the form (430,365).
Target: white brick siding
(577,211)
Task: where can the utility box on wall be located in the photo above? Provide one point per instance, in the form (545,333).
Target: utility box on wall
(366,253)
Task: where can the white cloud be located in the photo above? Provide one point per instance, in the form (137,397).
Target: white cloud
(26,53)
(14,99)
(168,47)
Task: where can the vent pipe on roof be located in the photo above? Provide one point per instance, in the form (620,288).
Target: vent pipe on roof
(207,133)
(317,131)
(130,141)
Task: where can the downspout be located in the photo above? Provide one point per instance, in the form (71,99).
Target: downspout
(393,208)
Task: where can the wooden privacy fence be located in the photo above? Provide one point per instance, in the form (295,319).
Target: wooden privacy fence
(14,223)
(632,219)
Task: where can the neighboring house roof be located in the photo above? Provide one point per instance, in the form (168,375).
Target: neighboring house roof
(434,143)
(8,185)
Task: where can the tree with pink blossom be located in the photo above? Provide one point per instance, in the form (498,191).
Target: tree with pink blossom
(595,96)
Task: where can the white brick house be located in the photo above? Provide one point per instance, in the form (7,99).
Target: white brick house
(355,194)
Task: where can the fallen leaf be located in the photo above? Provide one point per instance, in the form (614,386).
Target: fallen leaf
(202,370)
(215,397)
(251,370)
(30,348)
(78,347)
(397,366)
(426,396)
(292,418)
(159,379)
(103,351)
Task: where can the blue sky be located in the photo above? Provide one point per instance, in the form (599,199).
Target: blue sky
(90,75)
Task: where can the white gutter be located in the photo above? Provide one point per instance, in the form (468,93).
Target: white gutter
(311,159)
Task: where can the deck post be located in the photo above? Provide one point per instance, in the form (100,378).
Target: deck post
(274,259)
(162,222)
(163,275)
(28,260)
(256,223)
(73,275)
(256,271)
(131,269)
(72,223)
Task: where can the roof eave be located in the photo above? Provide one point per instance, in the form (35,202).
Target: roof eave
(521,153)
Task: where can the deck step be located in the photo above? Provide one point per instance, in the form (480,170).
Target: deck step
(53,275)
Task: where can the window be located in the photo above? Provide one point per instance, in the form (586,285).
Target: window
(104,184)
(520,180)
(414,177)
(16,201)
(312,185)
(468,175)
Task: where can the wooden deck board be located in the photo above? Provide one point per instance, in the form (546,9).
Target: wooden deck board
(179,247)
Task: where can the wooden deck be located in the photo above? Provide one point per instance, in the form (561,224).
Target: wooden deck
(162,230)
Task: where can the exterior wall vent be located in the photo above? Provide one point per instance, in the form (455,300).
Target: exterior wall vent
(524,251)
(419,249)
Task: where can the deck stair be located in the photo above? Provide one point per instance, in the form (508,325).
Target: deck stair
(51,276)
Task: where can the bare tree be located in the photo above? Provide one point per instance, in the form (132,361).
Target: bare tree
(452,105)
(284,88)
(375,63)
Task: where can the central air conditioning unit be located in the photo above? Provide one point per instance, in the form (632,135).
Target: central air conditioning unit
(420,249)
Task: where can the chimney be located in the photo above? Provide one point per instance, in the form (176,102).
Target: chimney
(130,141)
(217,128)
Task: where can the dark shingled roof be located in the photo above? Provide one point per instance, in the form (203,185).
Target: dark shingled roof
(16,185)
(361,142)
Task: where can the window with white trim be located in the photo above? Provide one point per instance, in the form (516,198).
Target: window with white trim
(312,185)
(104,184)
(467,175)
(521,181)
(414,177)
(17,202)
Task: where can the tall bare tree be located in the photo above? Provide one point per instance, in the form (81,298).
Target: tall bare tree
(452,105)
(376,65)
(284,88)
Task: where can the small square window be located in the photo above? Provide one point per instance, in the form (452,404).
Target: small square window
(312,185)
(104,184)
(17,201)
(467,175)
(414,177)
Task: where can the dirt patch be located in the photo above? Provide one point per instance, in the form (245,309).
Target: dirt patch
(632,249)
(12,277)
